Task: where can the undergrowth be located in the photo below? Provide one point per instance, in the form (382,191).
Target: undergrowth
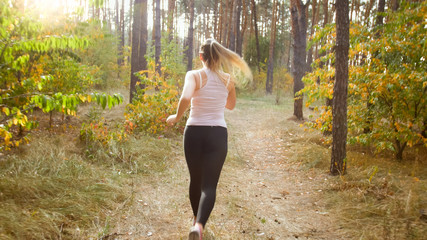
(58,188)
(378,198)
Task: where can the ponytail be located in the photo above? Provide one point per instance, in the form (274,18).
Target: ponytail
(218,58)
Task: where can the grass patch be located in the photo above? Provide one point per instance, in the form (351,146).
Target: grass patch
(381,198)
(47,191)
(55,189)
(378,198)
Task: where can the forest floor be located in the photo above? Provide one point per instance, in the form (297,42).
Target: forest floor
(274,185)
(264,192)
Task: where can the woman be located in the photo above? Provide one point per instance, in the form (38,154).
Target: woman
(210,91)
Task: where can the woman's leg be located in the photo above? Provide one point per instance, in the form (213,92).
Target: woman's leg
(214,152)
(193,152)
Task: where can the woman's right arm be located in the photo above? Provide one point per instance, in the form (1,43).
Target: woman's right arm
(184,101)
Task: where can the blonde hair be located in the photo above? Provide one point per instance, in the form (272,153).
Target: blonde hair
(218,58)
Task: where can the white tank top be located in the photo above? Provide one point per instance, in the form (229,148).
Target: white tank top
(208,102)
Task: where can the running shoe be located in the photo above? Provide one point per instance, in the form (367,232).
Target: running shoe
(195,233)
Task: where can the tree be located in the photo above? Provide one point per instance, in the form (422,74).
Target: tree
(256,33)
(237,28)
(313,23)
(299,65)
(157,39)
(171,8)
(270,68)
(139,44)
(339,100)
(190,37)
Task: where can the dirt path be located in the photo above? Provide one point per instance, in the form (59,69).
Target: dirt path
(263,192)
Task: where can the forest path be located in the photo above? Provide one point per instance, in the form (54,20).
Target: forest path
(264,192)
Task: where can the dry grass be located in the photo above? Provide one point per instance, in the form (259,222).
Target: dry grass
(49,191)
(378,198)
(55,189)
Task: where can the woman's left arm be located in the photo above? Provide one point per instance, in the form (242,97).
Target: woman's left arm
(231,99)
(184,101)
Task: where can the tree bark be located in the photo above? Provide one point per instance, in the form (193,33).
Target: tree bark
(395,5)
(215,23)
(190,37)
(118,34)
(270,68)
(299,64)
(237,28)
(139,44)
(368,12)
(339,102)
(313,23)
(226,23)
(221,21)
(122,32)
(171,9)
(158,39)
(130,23)
(256,34)
(232,34)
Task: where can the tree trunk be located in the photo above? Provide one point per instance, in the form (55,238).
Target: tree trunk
(395,5)
(256,34)
(139,44)
(215,23)
(226,23)
(122,32)
(380,17)
(237,28)
(231,32)
(118,34)
(130,23)
(244,27)
(368,12)
(339,102)
(299,65)
(270,68)
(190,37)
(313,23)
(158,39)
(221,21)
(171,9)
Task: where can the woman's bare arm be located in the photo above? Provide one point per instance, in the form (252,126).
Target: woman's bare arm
(184,101)
(231,99)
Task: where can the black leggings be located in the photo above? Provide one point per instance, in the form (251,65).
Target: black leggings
(205,150)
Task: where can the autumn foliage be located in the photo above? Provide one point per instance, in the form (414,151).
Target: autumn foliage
(387,81)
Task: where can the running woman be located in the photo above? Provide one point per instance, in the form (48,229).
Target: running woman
(210,90)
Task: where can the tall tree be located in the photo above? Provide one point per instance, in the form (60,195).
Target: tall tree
(395,5)
(118,33)
(270,68)
(339,102)
(215,22)
(232,33)
(122,32)
(237,28)
(171,9)
(190,37)
(313,23)
(139,44)
(299,64)
(368,8)
(157,39)
(256,34)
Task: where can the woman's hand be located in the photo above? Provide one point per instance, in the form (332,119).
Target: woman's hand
(172,119)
